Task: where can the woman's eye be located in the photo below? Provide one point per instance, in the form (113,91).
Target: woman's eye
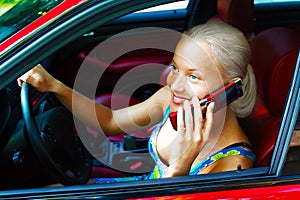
(174,68)
(193,77)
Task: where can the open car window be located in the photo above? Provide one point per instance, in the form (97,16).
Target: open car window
(292,162)
(291,166)
(170,6)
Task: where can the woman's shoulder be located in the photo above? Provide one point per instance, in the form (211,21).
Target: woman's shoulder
(237,154)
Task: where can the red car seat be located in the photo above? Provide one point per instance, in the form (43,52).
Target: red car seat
(274,55)
(237,13)
(150,60)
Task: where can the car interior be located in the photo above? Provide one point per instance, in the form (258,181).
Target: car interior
(274,55)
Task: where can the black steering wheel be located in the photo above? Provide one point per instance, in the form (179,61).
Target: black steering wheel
(52,138)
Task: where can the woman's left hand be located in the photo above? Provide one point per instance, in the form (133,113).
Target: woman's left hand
(193,134)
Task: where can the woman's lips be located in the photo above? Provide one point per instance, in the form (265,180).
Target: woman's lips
(178,100)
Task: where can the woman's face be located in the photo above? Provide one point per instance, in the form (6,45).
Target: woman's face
(194,72)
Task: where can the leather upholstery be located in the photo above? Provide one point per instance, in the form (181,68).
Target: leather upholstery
(150,61)
(274,55)
(238,13)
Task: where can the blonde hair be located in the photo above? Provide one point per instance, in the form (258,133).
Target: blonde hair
(232,52)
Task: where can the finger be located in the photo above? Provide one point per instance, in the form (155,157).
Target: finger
(189,126)
(19,80)
(209,117)
(23,78)
(197,117)
(29,76)
(38,66)
(180,122)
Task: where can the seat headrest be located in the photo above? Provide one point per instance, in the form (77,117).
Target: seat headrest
(274,55)
(237,13)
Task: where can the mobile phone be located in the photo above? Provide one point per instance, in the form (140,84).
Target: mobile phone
(222,97)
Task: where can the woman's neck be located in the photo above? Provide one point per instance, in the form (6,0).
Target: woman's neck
(232,131)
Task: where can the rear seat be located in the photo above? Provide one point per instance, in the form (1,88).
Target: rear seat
(238,13)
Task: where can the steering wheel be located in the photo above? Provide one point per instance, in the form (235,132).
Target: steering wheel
(59,150)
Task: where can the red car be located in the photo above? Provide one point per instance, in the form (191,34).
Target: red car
(118,52)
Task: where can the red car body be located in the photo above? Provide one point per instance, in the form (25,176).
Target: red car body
(42,21)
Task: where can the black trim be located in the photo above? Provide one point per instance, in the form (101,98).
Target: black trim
(201,11)
(240,144)
(168,186)
(276,14)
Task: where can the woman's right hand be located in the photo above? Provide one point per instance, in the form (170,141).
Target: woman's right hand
(39,78)
(192,135)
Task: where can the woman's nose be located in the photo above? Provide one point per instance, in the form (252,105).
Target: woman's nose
(178,83)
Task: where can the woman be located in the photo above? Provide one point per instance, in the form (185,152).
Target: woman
(206,58)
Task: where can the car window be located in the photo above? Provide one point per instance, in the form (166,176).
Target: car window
(16,14)
(296,136)
(292,162)
(170,6)
(295,141)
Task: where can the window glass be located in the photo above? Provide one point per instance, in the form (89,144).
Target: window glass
(296,136)
(292,163)
(170,6)
(16,14)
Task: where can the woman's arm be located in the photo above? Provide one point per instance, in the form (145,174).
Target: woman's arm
(95,115)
